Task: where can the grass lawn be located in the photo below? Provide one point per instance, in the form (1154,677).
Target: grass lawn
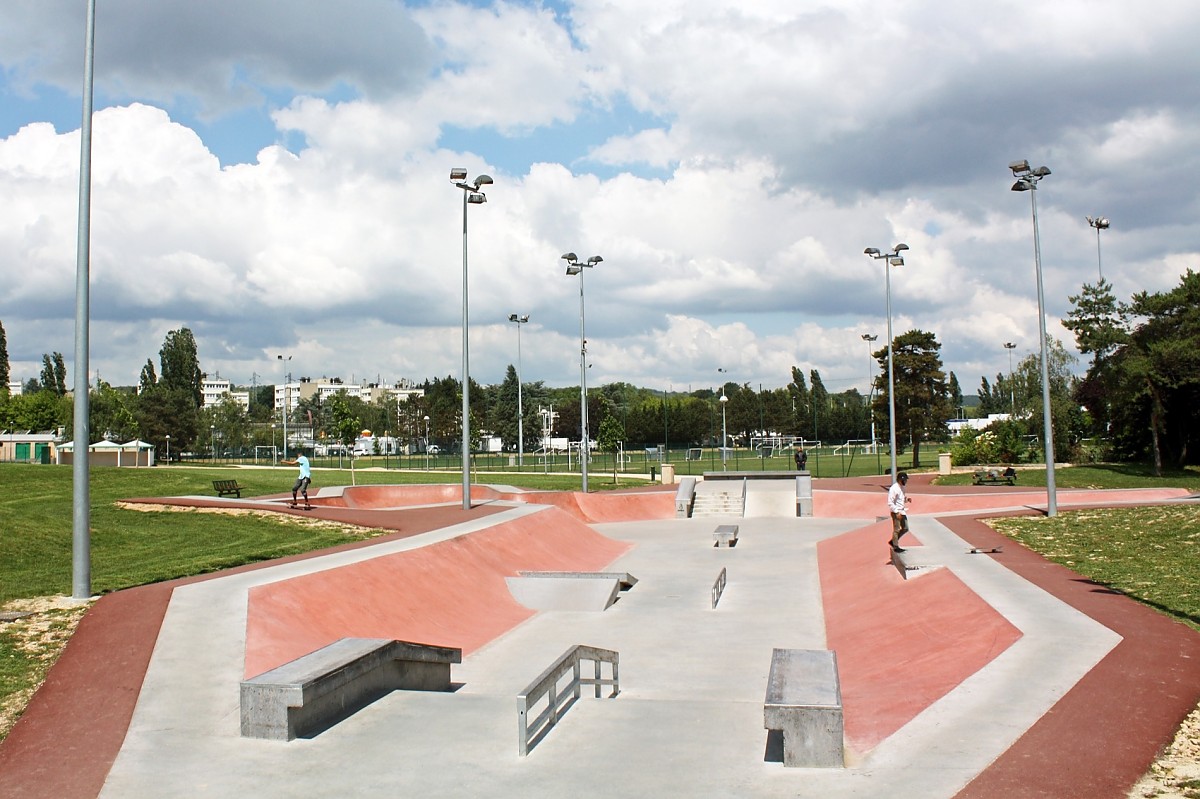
(1105,475)
(1150,554)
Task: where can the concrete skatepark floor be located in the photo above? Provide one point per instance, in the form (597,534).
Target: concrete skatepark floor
(1087,729)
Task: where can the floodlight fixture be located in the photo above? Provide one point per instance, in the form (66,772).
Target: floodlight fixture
(1099,223)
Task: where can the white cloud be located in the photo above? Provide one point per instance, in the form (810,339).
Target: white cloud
(783,138)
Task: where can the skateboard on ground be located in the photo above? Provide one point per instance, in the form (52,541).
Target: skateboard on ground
(295,506)
(984,550)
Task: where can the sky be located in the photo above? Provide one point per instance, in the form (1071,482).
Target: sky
(275,177)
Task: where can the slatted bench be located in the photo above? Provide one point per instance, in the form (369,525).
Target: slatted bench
(995,477)
(314,692)
(227,487)
(804,703)
(726,535)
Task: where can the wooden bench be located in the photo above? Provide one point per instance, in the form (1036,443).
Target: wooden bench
(804,703)
(314,692)
(226,487)
(995,477)
(726,535)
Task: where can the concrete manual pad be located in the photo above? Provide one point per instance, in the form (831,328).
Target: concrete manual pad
(581,592)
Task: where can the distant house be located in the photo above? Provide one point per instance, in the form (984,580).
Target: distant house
(28,447)
(958,425)
(110,453)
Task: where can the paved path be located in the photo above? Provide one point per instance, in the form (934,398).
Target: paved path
(980,676)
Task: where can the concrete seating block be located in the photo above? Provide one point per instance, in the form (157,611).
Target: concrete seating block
(315,691)
(726,535)
(804,702)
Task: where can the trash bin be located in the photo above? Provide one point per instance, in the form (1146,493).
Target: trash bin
(653,473)
(668,477)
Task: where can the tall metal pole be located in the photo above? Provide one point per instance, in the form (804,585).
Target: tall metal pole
(81,570)
(471,194)
(466,377)
(1027,180)
(1012,390)
(520,406)
(887,271)
(583,409)
(867,337)
(1047,425)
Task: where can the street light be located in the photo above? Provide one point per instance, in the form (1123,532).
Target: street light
(426,443)
(870,382)
(471,196)
(168,449)
(1027,180)
(575,267)
(1012,390)
(892,258)
(519,320)
(1100,223)
(724,429)
(212,440)
(283,362)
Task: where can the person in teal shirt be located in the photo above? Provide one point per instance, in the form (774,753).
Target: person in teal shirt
(304,478)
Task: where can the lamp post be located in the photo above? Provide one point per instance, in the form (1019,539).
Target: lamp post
(575,267)
(1012,391)
(892,258)
(870,382)
(471,196)
(724,429)
(168,449)
(518,321)
(1027,180)
(283,362)
(426,443)
(1100,223)
(212,441)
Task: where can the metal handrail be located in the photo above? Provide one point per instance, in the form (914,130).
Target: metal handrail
(718,588)
(546,685)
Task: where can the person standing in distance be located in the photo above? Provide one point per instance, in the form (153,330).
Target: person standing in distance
(303,479)
(896,504)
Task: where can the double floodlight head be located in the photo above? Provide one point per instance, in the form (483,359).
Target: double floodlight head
(868,337)
(1098,222)
(474,196)
(512,317)
(1027,178)
(574,266)
(892,257)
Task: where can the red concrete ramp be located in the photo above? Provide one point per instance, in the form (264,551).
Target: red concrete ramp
(451,593)
(901,645)
(598,507)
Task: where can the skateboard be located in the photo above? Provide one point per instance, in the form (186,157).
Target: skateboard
(982,551)
(294,506)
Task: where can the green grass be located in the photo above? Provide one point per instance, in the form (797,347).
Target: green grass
(1151,554)
(1114,475)
(133,548)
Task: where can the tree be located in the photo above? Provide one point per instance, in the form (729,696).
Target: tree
(149,380)
(54,374)
(955,393)
(609,439)
(110,414)
(1096,322)
(1158,384)
(181,365)
(164,412)
(922,404)
(344,424)
(4,373)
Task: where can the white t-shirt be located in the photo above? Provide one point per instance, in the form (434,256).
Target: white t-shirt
(896,498)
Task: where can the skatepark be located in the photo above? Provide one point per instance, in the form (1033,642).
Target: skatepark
(981,670)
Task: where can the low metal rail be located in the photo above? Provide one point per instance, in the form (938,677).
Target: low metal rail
(558,699)
(718,588)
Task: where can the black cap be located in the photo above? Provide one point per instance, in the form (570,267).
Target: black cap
(903,476)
